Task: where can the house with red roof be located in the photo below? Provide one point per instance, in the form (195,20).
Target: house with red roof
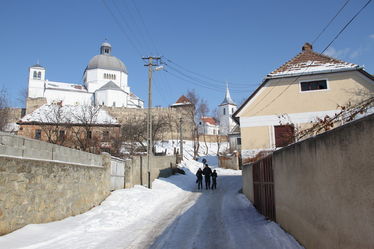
(309,86)
(208,126)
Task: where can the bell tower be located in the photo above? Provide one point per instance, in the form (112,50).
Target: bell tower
(36,81)
(226,109)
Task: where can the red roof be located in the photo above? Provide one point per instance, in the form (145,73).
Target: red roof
(308,61)
(209,120)
(183,100)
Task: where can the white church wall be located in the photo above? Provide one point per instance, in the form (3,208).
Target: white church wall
(68,97)
(111,98)
(95,79)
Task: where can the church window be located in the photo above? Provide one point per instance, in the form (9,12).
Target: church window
(224,111)
(89,134)
(102,103)
(35,75)
(232,110)
(39,75)
(114,103)
(114,77)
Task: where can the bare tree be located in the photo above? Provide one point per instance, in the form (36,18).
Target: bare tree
(4,109)
(84,121)
(134,131)
(22,96)
(192,96)
(54,122)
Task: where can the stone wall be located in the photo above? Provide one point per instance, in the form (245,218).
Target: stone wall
(41,182)
(173,115)
(34,103)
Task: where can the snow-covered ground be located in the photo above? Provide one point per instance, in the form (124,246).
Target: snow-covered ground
(174,214)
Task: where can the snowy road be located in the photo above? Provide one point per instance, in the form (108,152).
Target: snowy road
(174,214)
(222,218)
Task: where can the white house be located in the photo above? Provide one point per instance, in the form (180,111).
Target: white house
(208,126)
(105,82)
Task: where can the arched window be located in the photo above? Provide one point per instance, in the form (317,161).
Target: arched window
(232,109)
(35,75)
(114,77)
(224,111)
(39,75)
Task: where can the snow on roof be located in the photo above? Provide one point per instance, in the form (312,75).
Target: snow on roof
(73,114)
(209,120)
(65,86)
(309,62)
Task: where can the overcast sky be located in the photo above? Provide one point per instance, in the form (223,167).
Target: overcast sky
(205,43)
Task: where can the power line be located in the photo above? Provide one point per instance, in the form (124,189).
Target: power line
(122,29)
(340,32)
(331,20)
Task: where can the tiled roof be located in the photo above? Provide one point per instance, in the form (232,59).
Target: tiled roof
(209,120)
(309,62)
(183,100)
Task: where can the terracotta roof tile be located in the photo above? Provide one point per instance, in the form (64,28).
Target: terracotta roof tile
(209,120)
(309,61)
(183,100)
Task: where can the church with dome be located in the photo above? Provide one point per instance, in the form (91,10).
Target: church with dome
(105,83)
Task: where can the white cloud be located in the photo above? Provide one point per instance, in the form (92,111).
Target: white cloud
(341,53)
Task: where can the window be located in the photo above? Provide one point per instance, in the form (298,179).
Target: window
(105,135)
(224,111)
(35,75)
(39,75)
(89,134)
(38,134)
(313,85)
(114,103)
(238,141)
(114,77)
(284,135)
(232,110)
(61,134)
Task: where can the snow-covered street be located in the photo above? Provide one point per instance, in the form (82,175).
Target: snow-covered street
(174,214)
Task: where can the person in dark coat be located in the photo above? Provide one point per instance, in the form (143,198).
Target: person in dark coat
(214,179)
(199,175)
(207,172)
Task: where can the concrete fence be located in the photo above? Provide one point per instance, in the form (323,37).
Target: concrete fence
(18,146)
(117,173)
(324,187)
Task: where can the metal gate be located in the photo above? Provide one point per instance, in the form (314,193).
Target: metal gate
(263,187)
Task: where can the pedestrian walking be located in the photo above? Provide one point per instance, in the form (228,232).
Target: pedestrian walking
(199,180)
(214,179)
(207,172)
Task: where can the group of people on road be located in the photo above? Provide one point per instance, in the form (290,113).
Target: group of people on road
(207,172)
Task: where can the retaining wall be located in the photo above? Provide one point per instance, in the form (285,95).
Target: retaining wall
(36,189)
(229,161)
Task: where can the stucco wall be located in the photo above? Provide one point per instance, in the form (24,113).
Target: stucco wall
(137,173)
(283,96)
(324,188)
(247,178)
(229,161)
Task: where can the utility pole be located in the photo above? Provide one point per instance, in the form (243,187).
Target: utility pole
(181,139)
(150,66)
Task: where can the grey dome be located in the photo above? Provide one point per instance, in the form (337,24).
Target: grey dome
(105,60)
(109,62)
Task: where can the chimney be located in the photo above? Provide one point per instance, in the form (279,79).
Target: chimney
(307,47)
